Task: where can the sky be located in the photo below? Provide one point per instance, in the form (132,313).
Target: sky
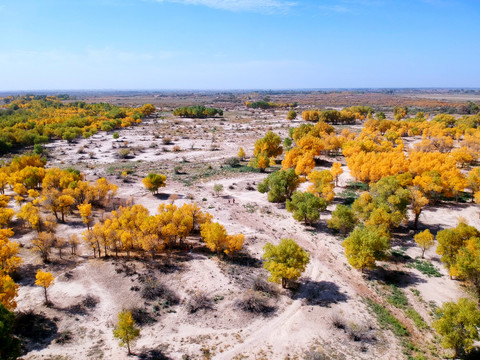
(238,44)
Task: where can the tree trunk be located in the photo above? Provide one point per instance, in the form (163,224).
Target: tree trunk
(423,252)
(128,347)
(63,216)
(284,283)
(46,298)
(415,224)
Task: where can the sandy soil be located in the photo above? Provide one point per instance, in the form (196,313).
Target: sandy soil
(302,319)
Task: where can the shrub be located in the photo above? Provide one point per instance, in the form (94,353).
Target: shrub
(198,302)
(232,162)
(124,153)
(153,290)
(115,135)
(254,302)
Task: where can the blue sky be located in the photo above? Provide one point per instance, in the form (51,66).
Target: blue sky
(238,44)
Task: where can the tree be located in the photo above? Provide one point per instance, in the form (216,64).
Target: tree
(85,210)
(450,241)
(218,188)
(269,144)
(266,148)
(154,181)
(343,219)
(45,280)
(9,344)
(260,161)
(336,171)
(285,261)
(30,214)
(280,185)
(292,115)
(64,204)
(458,325)
(8,292)
(43,244)
(468,263)
(125,329)
(425,240)
(418,203)
(306,206)
(233,244)
(364,246)
(215,236)
(322,184)
(9,259)
(241,153)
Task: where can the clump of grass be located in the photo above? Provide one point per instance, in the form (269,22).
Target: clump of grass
(387,320)
(425,267)
(398,298)
(417,319)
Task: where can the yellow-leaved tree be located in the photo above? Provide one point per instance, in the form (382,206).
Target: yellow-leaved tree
(154,181)
(125,330)
(44,280)
(285,261)
(85,210)
(425,240)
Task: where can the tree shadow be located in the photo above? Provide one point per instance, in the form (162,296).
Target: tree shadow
(321,162)
(82,308)
(162,196)
(153,354)
(399,278)
(25,276)
(36,331)
(321,293)
(244,259)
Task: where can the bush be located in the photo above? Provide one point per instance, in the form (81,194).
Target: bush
(262,285)
(153,290)
(38,149)
(141,316)
(232,162)
(115,135)
(124,153)
(198,302)
(254,302)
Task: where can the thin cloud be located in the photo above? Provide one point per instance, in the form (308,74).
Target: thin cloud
(240,5)
(335,8)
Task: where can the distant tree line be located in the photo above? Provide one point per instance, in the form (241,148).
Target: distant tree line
(197,112)
(263,104)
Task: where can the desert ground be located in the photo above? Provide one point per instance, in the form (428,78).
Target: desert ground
(324,315)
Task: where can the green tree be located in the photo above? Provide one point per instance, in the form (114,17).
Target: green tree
(343,219)
(364,246)
(450,241)
(285,261)
(9,344)
(468,263)
(218,188)
(125,330)
(458,325)
(280,185)
(306,206)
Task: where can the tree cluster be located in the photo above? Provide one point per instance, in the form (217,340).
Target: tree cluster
(31,120)
(197,112)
